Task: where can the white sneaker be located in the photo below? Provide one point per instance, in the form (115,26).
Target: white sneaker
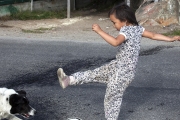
(64,80)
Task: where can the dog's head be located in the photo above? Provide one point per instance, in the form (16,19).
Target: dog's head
(20,104)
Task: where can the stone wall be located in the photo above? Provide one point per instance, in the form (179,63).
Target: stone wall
(161,13)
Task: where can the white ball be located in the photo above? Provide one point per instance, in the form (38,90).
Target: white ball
(74,119)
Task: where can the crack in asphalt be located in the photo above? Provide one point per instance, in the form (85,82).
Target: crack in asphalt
(49,77)
(154,50)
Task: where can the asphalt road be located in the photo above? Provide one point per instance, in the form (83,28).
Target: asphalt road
(31,65)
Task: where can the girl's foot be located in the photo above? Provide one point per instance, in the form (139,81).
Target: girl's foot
(64,80)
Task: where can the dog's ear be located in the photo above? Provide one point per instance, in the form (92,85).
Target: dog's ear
(21,92)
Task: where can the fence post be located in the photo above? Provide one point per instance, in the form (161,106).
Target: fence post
(68,8)
(31,5)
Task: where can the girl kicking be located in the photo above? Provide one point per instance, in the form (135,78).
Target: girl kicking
(119,73)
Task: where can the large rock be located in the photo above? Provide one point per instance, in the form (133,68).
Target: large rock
(162,13)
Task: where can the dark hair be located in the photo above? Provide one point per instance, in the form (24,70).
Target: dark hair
(123,12)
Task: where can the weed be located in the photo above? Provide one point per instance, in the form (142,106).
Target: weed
(173,33)
(39,30)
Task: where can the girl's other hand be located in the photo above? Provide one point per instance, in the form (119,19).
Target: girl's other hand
(96,28)
(176,38)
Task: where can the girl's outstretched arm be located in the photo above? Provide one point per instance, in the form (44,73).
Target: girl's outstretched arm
(161,37)
(108,38)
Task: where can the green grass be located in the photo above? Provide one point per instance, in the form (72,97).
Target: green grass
(37,15)
(39,30)
(173,33)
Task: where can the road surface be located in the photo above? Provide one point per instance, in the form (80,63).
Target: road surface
(31,65)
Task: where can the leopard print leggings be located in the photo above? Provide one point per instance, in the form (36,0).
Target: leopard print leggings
(116,76)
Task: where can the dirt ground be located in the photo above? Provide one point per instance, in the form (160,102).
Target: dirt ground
(78,27)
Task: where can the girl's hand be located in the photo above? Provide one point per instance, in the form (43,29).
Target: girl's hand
(176,38)
(96,28)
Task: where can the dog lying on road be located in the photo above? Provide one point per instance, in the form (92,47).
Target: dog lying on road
(14,103)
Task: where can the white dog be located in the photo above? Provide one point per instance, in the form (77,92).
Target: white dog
(14,103)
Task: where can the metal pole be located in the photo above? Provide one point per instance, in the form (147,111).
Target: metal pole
(74,5)
(31,5)
(127,2)
(68,8)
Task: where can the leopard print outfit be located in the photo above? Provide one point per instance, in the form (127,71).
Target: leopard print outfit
(117,74)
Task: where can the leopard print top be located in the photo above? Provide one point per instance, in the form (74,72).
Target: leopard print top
(128,51)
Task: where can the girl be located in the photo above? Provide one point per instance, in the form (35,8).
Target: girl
(119,72)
